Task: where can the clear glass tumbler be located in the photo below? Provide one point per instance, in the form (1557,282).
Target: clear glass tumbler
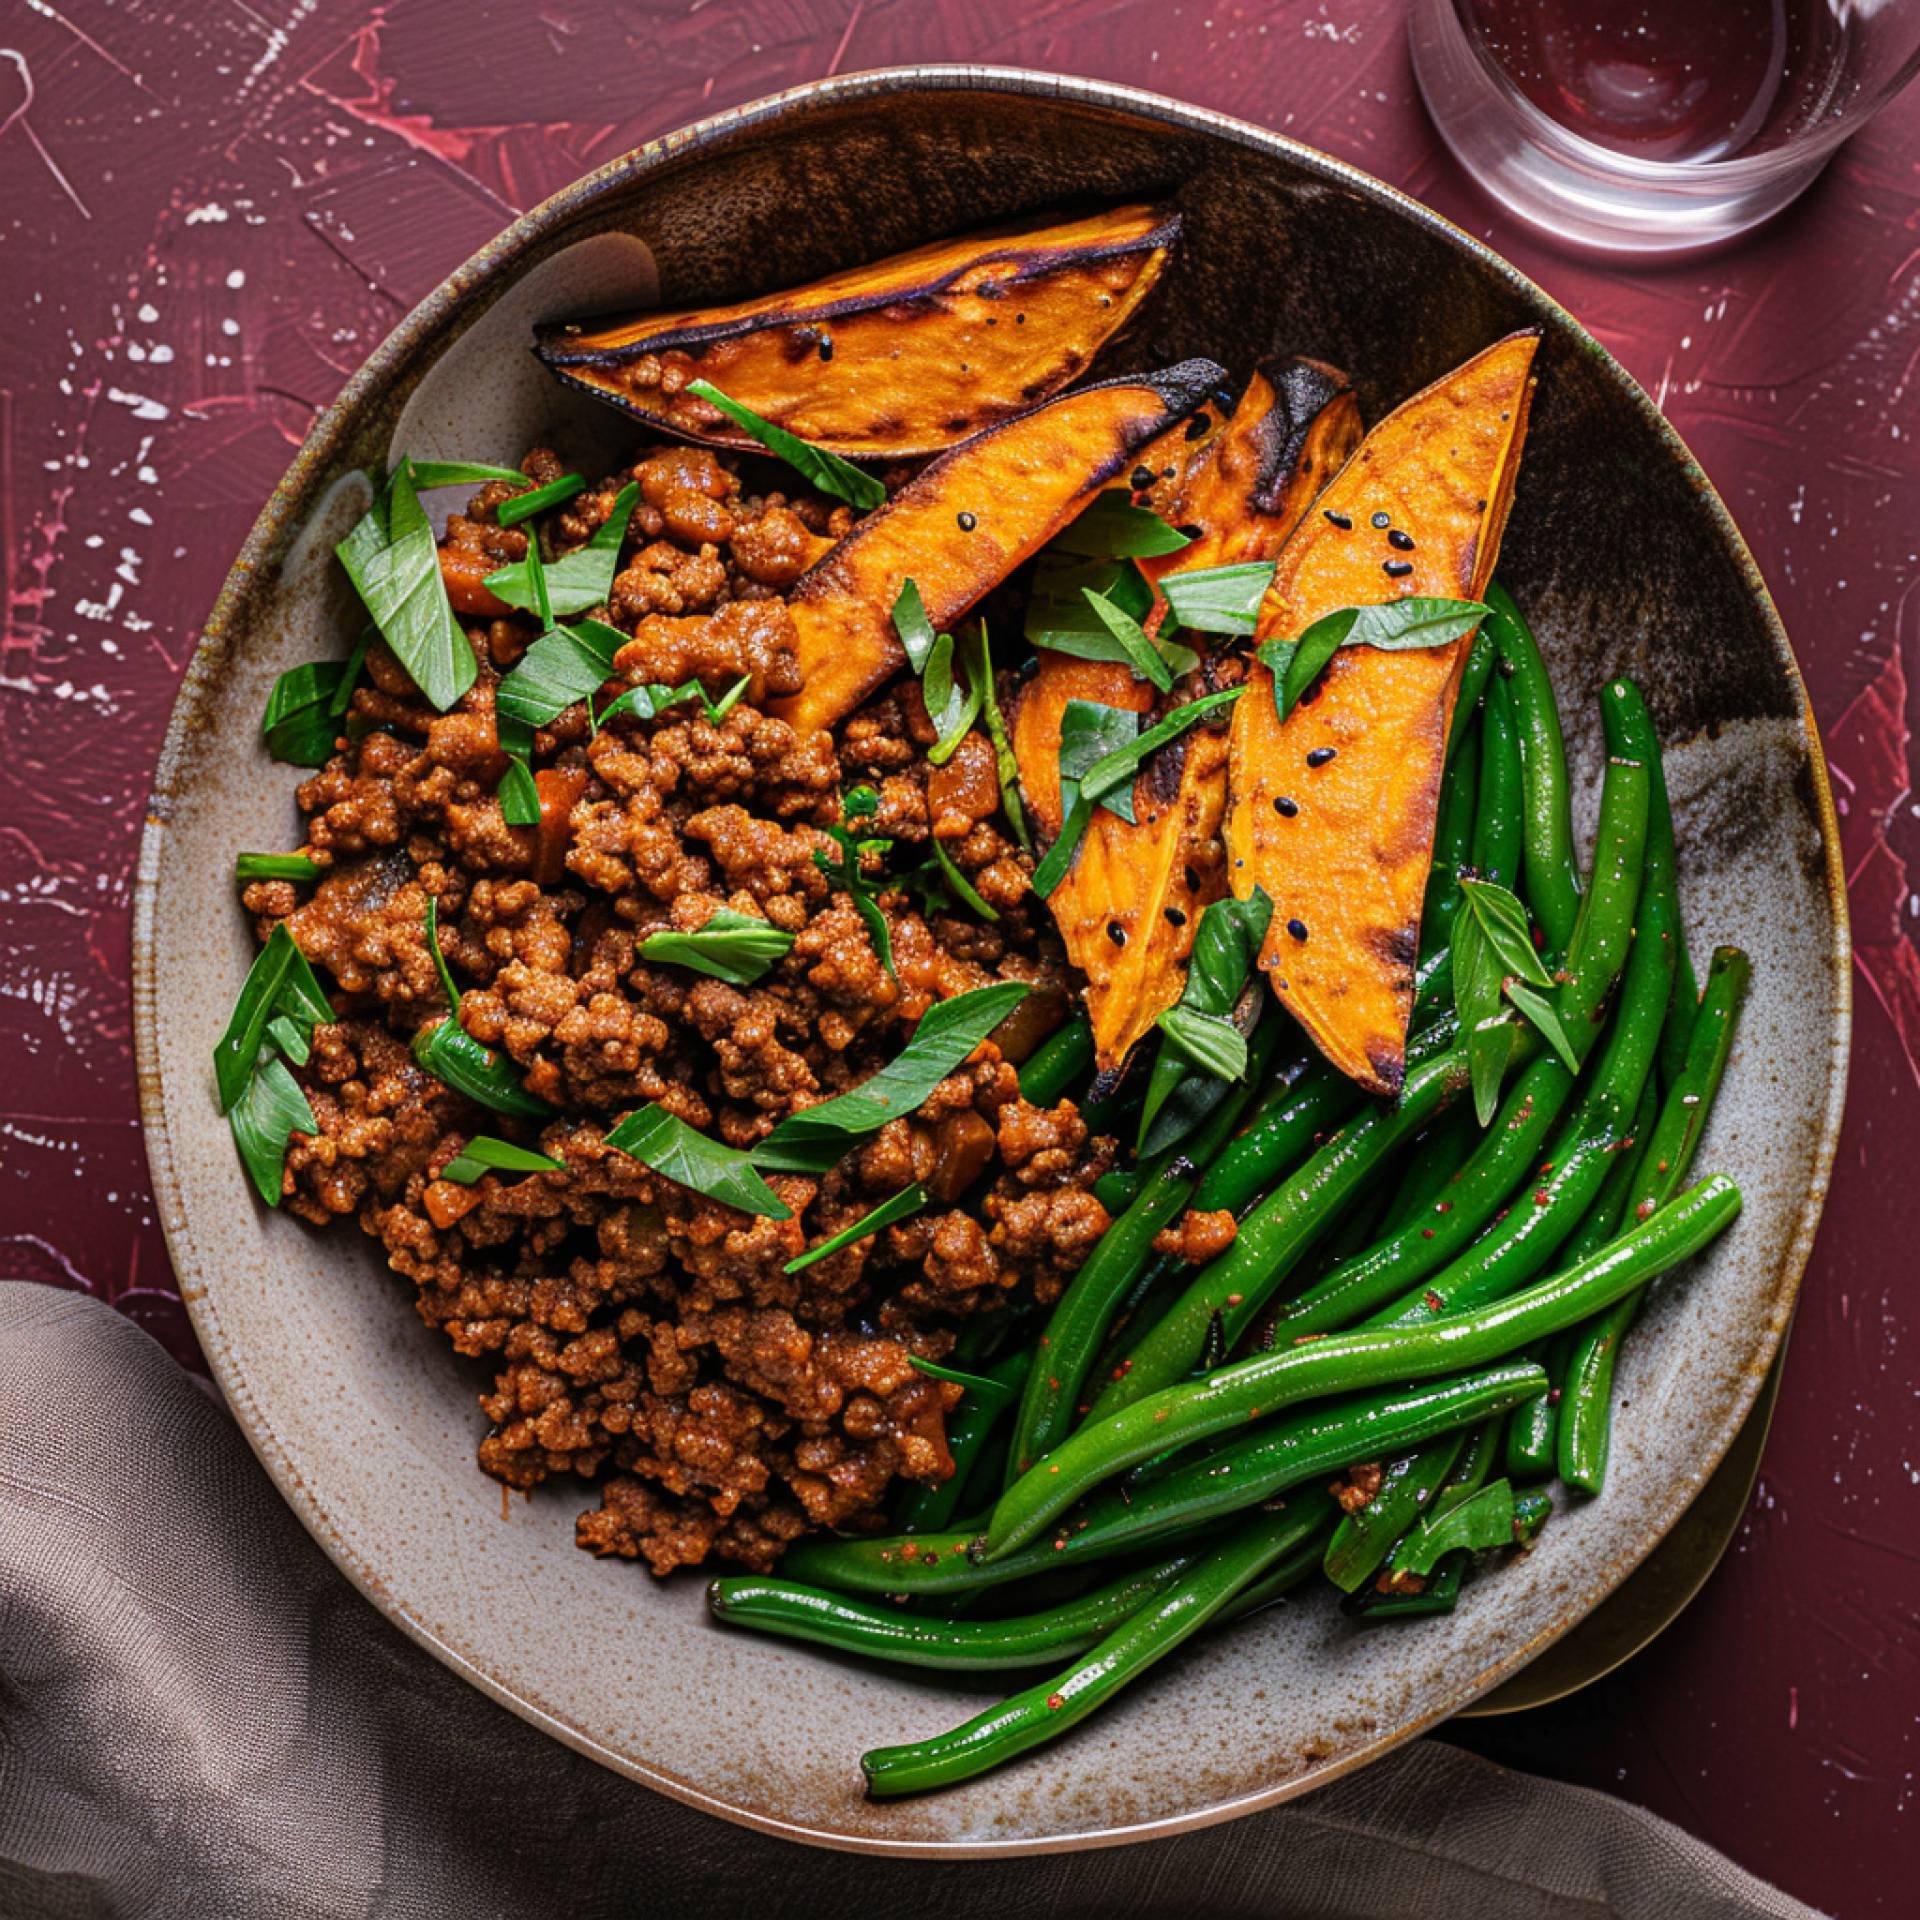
(1655,126)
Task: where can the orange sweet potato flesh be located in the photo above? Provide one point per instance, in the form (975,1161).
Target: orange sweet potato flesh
(1128,907)
(1347,867)
(905,356)
(963,523)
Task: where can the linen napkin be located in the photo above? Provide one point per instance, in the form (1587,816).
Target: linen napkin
(199,1717)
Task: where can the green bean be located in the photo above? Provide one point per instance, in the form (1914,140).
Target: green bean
(1043,1712)
(1552,886)
(1685,1009)
(1439,1595)
(927,1508)
(1438,1155)
(1586,1403)
(1602,940)
(1071,1342)
(1363,1539)
(1167,1508)
(1501,805)
(1058,1063)
(1473,684)
(1182,1415)
(1452,843)
(796,1612)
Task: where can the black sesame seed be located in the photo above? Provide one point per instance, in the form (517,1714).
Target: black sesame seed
(1404,541)
(1142,479)
(967,522)
(1192,879)
(1167,473)
(1116,933)
(1198,425)
(826,347)
(1193,529)
(1285,808)
(1320,756)
(1396,569)
(1298,928)
(1383,519)
(1175,918)
(1340,520)
(1019,319)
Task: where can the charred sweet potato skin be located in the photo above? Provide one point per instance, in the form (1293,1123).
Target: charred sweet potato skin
(961,525)
(1332,811)
(902,357)
(1128,907)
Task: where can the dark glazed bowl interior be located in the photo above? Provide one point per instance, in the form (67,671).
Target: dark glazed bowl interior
(1627,563)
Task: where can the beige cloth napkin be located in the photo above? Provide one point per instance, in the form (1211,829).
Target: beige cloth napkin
(200,1718)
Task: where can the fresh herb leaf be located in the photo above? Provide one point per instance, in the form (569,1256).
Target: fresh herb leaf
(294,1037)
(1392,626)
(280,981)
(979,659)
(991,1392)
(429,474)
(484,1154)
(825,470)
(1109,773)
(817,1136)
(1058,615)
(1150,659)
(523,506)
(717,710)
(1209,1041)
(848,873)
(910,622)
(300,725)
(1113,528)
(394,565)
(1545,1017)
(1484,1521)
(271,1109)
(734,947)
(908,1201)
(454,1057)
(963,888)
(1504,921)
(1219,599)
(350,674)
(519,794)
(645,703)
(951,707)
(1089,732)
(576,581)
(297,867)
(558,669)
(665,1143)
(1483,1021)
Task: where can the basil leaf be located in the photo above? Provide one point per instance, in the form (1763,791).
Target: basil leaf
(1219,599)
(825,470)
(1392,626)
(733,947)
(350,675)
(1484,1521)
(294,1039)
(1113,528)
(983,1387)
(484,1154)
(519,795)
(523,506)
(979,658)
(645,703)
(1504,921)
(1058,615)
(577,580)
(270,1110)
(963,887)
(1089,733)
(429,474)
(562,666)
(1483,1023)
(1059,857)
(1545,1017)
(910,622)
(395,568)
(456,1059)
(665,1143)
(946,1035)
(717,710)
(952,709)
(1210,1041)
(1122,765)
(280,981)
(909,1200)
(299,725)
(1143,655)
(297,867)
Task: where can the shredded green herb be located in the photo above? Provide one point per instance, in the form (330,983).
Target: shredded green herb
(484,1154)
(523,506)
(908,1201)
(664,1142)
(1393,626)
(825,470)
(733,947)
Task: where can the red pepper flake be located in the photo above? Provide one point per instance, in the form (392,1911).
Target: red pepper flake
(909,1551)
(1307,1339)
(1443,1206)
(1546,1167)
(1644,1211)
(1123,1369)
(1053,1469)
(1426,1233)
(1663,1166)
(1234,1299)
(1053,1381)
(1433,1300)
(1055,1701)
(1541,1197)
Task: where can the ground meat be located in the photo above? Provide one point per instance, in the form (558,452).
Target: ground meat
(1198,1237)
(640,1335)
(1356,1487)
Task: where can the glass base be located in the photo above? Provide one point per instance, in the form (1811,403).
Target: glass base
(1576,194)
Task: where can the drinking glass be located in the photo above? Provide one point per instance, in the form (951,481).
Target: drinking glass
(1655,126)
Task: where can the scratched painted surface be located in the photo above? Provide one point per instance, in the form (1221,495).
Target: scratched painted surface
(213,211)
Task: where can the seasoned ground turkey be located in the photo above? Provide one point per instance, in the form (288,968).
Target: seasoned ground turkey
(642,1336)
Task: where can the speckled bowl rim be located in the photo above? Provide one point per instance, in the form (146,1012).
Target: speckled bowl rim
(293,496)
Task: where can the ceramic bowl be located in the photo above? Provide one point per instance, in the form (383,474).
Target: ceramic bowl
(1626,560)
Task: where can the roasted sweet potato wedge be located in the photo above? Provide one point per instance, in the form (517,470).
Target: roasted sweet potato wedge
(905,356)
(1128,906)
(962,524)
(1332,810)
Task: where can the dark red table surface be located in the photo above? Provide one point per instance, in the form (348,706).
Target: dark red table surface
(213,212)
